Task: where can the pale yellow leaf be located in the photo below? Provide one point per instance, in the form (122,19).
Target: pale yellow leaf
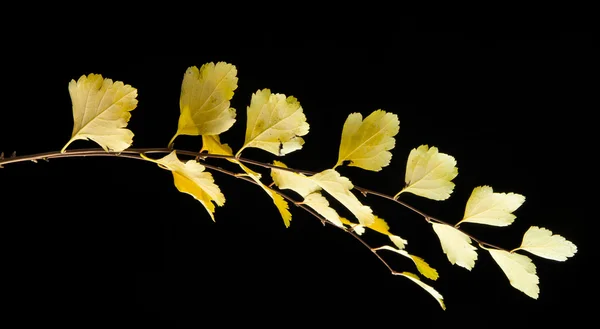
(296,182)
(428,288)
(429,173)
(456,245)
(275,123)
(366,144)
(520,271)
(204,101)
(398,241)
(332,182)
(278,200)
(423,267)
(489,208)
(101,111)
(340,188)
(307,188)
(329,180)
(541,242)
(318,202)
(190,178)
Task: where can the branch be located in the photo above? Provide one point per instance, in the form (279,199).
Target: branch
(133,153)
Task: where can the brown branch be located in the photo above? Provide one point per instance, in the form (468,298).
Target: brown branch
(133,153)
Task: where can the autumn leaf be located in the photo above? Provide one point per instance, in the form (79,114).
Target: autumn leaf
(423,267)
(456,245)
(366,144)
(297,182)
(318,202)
(204,101)
(340,188)
(275,123)
(414,278)
(490,208)
(381,226)
(307,189)
(429,173)
(101,111)
(519,269)
(212,145)
(332,182)
(190,178)
(278,200)
(398,241)
(541,242)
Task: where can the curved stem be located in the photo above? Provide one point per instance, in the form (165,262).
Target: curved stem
(134,153)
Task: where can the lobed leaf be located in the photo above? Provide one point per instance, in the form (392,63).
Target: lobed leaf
(490,208)
(275,123)
(190,178)
(429,173)
(519,270)
(366,144)
(541,242)
(456,245)
(204,101)
(101,111)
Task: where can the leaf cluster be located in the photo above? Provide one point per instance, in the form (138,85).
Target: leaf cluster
(276,124)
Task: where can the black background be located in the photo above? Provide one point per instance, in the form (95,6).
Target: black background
(90,240)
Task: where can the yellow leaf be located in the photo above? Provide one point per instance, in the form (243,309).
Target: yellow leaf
(332,182)
(212,145)
(278,200)
(275,123)
(101,111)
(541,242)
(489,208)
(318,202)
(398,241)
(296,182)
(423,267)
(366,144)
(428,288)
(520,271)
(429,173)
(190,178)
(379,225)
(308,189)
(456,245)
(204,101)
(340,188)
